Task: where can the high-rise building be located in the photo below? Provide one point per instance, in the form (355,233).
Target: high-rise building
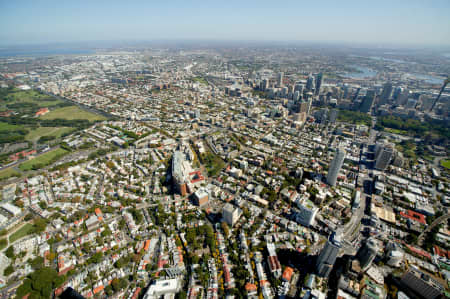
(280,79)
(318,83)
(386,93)
(367,102)
(264,85)
(367,253)
(335,167)
(397,92)
(296,96)
(333,115)
(403,97)
(304,107)
(383,156)
(231,214)
(310,83)
(306,213)
(299,88)
(328,255)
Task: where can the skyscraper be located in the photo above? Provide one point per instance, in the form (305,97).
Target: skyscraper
(280,79)
(386,93)
(318,83)
(383,156)
(231,214)
(367,253)
(327,257)
(367,102)
(310,83)
(397,92)
(335,166)
(333,116)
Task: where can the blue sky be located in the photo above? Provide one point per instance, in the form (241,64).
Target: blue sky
(360,21)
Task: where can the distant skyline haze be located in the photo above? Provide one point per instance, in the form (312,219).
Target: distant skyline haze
(401,22)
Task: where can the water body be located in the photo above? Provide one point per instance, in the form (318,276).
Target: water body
(390,59)
(43,52)
(364,72)
(427,78)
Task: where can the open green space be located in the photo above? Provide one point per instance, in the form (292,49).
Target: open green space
(213,163)
(7,173)
(396,131)
(433,131)
(445,163)
(10,97)
(43,160)
(47,131)
(354,117)
(9,127)
(21,124)
(22,232)
(72,112)
(200,80)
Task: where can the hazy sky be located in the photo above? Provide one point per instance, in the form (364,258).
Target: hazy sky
(362,21)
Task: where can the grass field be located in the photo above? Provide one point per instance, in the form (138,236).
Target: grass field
(9,127)
(43,160)
(446,163)
(396,131)
(22,232)
(31,96)
(7,173)
(47,131)
(72,112)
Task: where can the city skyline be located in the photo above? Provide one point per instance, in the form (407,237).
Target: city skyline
(380,23)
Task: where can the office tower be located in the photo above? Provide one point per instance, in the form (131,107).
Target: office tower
(310,83)
(403,97)
(367,102)
(346,91)
(421,284)
(333,116)
(327,257)
(335,166)
(386,93)
(306,213)
(318,83)
(383,156)
(304,107)
(231,214)
(264,85)
(367,253)
(397,92)
(280,79)
(394,254)
(299,88)
(296,96)
(355,96)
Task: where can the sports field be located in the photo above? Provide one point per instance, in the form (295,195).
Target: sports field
(43,160)
(47,131)
(72,112)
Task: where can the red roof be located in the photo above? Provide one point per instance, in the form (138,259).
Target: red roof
(250,287)
(414,216)
(287,274)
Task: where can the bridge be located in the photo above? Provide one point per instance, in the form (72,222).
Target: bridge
(437,221)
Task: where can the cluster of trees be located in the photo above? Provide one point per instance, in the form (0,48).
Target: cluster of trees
(40,283)
(213,163)
(354,117)
(205,232)
(116,285)
(431,129)
(137,215)
(13,136)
